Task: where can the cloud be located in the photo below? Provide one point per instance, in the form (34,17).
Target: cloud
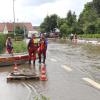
(36,10)
(34,2)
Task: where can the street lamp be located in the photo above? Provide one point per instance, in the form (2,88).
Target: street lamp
(14,18)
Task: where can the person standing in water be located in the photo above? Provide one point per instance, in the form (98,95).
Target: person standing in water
(32,49)
(75,38)
(42,48)
(9,45)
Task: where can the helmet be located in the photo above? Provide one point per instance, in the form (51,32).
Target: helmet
(33,35)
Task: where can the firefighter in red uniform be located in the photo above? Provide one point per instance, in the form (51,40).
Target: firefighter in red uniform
(32,49)
(42,48)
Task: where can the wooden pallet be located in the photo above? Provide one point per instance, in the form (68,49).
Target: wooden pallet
(22,77)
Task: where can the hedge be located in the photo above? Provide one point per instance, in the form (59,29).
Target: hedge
(2,42)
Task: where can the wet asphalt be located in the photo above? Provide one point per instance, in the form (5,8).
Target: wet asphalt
(73,73)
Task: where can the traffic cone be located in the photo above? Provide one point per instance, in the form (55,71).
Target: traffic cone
(43,76)
(15,67)
(43,69)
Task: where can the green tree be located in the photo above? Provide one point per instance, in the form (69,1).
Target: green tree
(45,25)
(87,18)
(71,19)
(53,22)
(90,29)
(60,22)
(97,26)
(49,23)
(96,5)
(64,29)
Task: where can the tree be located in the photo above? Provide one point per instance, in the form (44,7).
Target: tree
(96,5)
(60,22)
(87,18)
(64,29)
(71,18)
(53,22)
(49,23)
(90,29)
(45,26)
(97,26)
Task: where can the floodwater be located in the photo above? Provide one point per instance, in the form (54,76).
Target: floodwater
(84,57)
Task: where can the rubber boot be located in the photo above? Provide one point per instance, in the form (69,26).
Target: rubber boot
(44,60)
(29,61)
(33,63)
(39,61)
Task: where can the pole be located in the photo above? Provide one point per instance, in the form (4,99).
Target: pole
(14,18)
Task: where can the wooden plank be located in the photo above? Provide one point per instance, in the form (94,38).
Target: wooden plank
(22,77)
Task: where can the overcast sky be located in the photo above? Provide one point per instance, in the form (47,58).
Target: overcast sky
(35,11)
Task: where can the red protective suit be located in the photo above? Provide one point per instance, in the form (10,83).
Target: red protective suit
(42,49)
(32,49)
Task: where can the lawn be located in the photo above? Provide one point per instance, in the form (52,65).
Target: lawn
(19,46)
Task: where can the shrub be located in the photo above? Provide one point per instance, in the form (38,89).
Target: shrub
(90,36)
(2,42)
(10,35)
(19,46)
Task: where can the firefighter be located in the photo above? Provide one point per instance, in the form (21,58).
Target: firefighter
(9,45)
(32,49)
(42,48)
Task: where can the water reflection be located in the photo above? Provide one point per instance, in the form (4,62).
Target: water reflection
(84,56)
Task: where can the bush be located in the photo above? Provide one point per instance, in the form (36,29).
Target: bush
(10,35)
(2,42)
(19,46)
(90,36)
(19,38)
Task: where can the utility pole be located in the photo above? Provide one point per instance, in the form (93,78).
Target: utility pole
(14,17)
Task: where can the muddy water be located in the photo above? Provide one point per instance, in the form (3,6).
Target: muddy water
(19,89)
(85,57)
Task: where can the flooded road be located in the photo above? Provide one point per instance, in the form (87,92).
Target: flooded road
(68,66)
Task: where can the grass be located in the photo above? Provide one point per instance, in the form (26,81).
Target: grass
(41,98)
(90,36)
(19,46)
(2,42)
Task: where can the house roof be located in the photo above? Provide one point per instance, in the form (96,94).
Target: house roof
(2,27)
(9,26)
(28,26)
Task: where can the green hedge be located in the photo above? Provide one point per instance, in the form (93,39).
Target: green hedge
(9,35)
(2,42)
(19,46)
(90,36)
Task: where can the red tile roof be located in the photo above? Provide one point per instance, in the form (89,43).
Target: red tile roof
(2,27)
(9,27)
(28,26)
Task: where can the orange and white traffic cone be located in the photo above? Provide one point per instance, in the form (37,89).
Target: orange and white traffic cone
(15,68)
(43,76)
(43,69)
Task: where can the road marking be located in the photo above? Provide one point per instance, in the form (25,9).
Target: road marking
(54,60)
(66,68)
(93,83)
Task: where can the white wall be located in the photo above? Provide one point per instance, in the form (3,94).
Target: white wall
(5,31)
